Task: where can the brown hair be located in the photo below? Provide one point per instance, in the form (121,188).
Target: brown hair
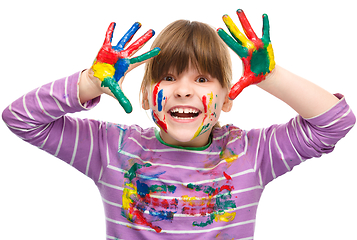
(183,43)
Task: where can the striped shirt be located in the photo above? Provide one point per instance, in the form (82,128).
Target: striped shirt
(151,190)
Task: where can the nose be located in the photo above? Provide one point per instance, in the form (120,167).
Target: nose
(183,90)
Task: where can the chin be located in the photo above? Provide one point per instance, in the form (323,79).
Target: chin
(187,138)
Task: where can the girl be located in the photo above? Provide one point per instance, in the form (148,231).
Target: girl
(191,178)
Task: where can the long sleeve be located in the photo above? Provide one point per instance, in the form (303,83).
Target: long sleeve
(281,147)
(39,118)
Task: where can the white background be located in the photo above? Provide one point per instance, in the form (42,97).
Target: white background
(41,41)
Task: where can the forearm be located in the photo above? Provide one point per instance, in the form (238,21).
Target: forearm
(305,97)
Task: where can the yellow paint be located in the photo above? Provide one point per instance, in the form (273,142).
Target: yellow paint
(231,159)
(237,33)
(190,200)
(271,57)
(103,70)
(129,190)
(225,217)
(219,236)
(209,105)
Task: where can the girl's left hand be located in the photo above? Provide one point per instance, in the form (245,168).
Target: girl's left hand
(257,54)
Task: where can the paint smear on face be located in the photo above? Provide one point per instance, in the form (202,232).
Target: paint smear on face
(161,123)
(154,93)
(160,98)
(207,108)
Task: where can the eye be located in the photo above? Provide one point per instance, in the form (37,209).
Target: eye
(202,80)
(169,78)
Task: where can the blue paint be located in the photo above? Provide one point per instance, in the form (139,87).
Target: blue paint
(162,215)
(153,176)
(142,188)
(160,96)
(121,66)
(127,37)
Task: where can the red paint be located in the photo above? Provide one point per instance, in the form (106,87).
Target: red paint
(154,93)
(227,176)
(198,210)
(247,79)
(107,54)
(141,220)
(162,124)
(204,101)
(249,30)
(137,44)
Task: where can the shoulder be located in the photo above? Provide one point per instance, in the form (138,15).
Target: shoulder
(227,134)
(135,133)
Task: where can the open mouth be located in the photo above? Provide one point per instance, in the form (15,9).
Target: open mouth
(184,113)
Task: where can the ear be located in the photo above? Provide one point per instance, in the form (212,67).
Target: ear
(145,101)
(227,105)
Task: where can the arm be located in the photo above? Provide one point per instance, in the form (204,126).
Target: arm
(39,117)
(306,98)
(323,118)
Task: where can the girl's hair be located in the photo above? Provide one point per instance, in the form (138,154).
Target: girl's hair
(183,43)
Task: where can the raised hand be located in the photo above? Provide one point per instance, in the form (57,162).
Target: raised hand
(112,62)
(256,54)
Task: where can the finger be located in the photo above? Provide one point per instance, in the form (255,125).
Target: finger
(138,44)
(238,87)
(246,25)
(266,29)
(236,47)
(238,35)
(128,36)
(109,34)
(118,93)
(152,53)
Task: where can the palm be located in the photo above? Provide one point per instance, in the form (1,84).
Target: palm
(256,54)
(112,62)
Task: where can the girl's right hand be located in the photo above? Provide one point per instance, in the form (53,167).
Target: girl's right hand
(113,62)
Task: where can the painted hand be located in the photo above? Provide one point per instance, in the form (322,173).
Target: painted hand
(256,54)
(112,62)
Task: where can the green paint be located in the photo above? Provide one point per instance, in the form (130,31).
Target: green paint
(236,47)
(131,174)
(118,93)
(266,30)
(223,204)
(260,62)
(145,56)
(163,188)
(200,188)
(210,219)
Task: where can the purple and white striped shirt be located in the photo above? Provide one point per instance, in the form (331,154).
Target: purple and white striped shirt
(154,191)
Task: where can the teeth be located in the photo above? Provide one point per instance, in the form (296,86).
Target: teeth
(183,118)
(184,110)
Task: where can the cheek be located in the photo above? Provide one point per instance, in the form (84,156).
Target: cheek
(158,98)
(157,105)
(210,103)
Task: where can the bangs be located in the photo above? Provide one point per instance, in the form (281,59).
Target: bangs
(183,44)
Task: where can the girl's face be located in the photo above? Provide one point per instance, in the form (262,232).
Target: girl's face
(186,107)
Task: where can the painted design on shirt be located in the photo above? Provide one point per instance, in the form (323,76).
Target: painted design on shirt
(140,206)
(138,202)
(215,204)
